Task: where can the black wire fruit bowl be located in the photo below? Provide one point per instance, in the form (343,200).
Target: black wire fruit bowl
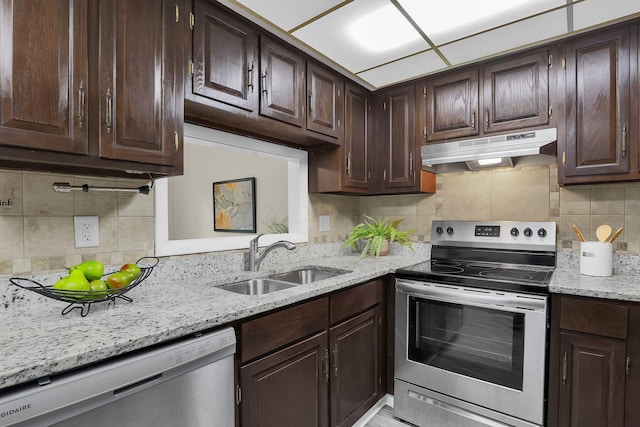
(83,300)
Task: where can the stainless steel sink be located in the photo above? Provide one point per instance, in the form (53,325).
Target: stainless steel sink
(308,275)
(256,286)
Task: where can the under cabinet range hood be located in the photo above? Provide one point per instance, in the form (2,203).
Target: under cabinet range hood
(492,151)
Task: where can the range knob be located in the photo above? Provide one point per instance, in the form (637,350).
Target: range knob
(515,232)
(528,232)
(542,232)
(439,230)
(449,230)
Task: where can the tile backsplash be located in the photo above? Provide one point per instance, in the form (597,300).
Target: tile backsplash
(36,224)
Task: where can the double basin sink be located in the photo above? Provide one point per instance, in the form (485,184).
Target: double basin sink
(277,282)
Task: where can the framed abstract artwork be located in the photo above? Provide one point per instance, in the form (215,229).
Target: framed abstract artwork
(234,205)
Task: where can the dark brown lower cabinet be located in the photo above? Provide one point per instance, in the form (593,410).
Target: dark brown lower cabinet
(316,364)
(594,349)
(288,387)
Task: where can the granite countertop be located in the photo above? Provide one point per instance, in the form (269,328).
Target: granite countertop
(624,286)
(38,341)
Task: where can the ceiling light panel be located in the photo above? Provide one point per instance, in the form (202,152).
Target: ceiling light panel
(363,34)
(503,39)
(445,21)
(595,12)
(288,14)
(404,69)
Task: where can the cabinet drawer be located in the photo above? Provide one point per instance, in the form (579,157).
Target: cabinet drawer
(275,330)
(594,317)
(354,300)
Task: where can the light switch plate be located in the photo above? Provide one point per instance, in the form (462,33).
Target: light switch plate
(325,223)
(86,231)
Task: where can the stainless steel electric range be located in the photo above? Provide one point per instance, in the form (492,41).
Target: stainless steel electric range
(472,326)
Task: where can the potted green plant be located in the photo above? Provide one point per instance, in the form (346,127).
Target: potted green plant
(378,234)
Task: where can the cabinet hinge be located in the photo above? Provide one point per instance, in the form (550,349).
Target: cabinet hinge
(550,111)
(177,13)
(564,63)
(238,395)
(191,66)
(176,140)
(564,157)
(550,61)
(192,20)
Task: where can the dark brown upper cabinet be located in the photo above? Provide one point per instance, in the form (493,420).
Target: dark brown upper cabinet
(452,105)
(45,77)
(346,169)
(325,102)
(282,82)
(398,138)
(597,81)
(140,117)
(516,93)
(91,88)
(225,61)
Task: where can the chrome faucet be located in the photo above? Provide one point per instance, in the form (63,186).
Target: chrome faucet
(255,257)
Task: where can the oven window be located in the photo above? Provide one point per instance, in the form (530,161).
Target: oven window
(482,343)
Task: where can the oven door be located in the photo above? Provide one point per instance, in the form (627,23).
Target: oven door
(481,346)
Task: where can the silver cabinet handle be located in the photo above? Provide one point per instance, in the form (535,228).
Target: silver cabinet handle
(486,117)
(410,164)
(250,77)
(264,83)
(325,363)
(565,367)
(627,366)
(310,101)
(81,102)
(349,164)
(108,113)
(473,119)
(624,140)
(334,360)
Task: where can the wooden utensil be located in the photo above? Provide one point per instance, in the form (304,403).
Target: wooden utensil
(578,233)
(615,235)
(603,232)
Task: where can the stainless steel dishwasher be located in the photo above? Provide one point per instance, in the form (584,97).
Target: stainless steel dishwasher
(188,383)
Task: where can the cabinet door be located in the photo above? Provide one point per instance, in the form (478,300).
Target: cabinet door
(44,70)
(356,374)
(452,105)
(140,81)
(325,103)
(287,388)
(357,137)
(597,85)
(399,138)
(225,65)
(281,82)
(632,369)
(592,381)
(516,93)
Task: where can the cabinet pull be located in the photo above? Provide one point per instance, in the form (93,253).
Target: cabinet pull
(264,83)
(627,366)
(176,140)
(473,119)
(310,110)
(81,101)
(334,360)
(486,117)
(565,367)
(624,140)
(238,395)
(410,164)
(108,113)
(349,164)
(325,364)
(250,77)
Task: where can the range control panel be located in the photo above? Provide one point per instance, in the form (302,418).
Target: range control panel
(518,235)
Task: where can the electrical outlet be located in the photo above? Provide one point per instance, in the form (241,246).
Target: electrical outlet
(86,231)
(324,223)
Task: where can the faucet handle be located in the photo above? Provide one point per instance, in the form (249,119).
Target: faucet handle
(254,242)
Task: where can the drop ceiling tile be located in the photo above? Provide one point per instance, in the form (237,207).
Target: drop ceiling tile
(506,38)
(330,36)
(288,14)
(404,69)
(446,21)
(595,12)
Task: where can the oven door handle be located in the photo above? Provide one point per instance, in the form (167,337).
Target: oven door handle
(466,296)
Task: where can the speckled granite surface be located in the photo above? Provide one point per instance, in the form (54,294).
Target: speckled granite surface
(623,285)
(178,298)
